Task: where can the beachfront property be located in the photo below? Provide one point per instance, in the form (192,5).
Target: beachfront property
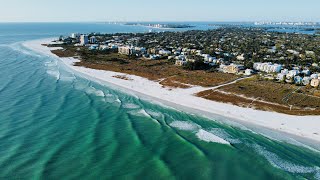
(93,40)
(75,36)
(306,80)
(267,67)
(126,50)
(298,80)
(232,68)
(180,62)
(315,83)
(248,72)
(84,39)
(226,58)
(165,52)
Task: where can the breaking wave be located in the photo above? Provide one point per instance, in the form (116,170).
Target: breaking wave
(141,113)
(130,106)
(154,113)
(209,137)
(54,73)
(224,135)
(94,91)
(184,125)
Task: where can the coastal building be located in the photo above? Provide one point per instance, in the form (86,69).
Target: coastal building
(140,50)
(285,71)
(240,57)
(93,40)
(75,36)
(212,59)
(248,72)
(315,82)
(232,68)
(310,53)
(180,62)
(293,52)
(126,50)
(292,73)
(103,47)
(170,57)
(298,80)
(84,39)
(164,52)
(281,77)
(314,76)
(289,79)
(306,72)
(113,46)
(94,47)
(267,67)
(154,57)
(306,80)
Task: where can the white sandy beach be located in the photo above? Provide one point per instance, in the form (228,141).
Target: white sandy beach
(302,126)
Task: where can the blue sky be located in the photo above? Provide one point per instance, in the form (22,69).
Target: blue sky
(161,10)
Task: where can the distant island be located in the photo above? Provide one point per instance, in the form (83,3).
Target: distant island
(161,26)
(288,23)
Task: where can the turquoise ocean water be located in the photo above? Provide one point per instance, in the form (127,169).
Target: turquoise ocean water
(55,124)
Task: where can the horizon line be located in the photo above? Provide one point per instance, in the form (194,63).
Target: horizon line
(160,21)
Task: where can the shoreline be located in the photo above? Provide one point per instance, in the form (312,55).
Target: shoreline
(304,128)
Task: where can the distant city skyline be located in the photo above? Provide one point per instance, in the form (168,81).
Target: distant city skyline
(165,10)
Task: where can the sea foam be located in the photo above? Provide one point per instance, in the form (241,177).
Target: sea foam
(154,113)
(141,113)
(94,91)
(209,137)
(130,106)
(54,73)
(282,164)
(224,135)
(184,125)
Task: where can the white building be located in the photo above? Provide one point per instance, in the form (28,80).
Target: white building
(75,35)
(240,57)
(165,52)
(84,39)
(281,77)
(126,50)
(292,73)
(298,80)
(310,53)
(306,80)
(180,62)
(232,68)
(248,72)
(314,76)
(285,71)
(315,82)
(103,47)
(267,67)
(306,72)
(293,52)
